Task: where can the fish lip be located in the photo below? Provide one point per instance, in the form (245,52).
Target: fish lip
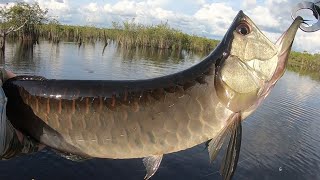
(285,41)
(284,44)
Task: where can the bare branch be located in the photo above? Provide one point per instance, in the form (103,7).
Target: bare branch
(11,29)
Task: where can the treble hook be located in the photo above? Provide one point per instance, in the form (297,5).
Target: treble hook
(315,8)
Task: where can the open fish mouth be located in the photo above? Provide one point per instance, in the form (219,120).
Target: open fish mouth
(253,63)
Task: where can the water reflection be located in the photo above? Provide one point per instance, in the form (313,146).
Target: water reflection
(315,75)
(157,56)
(281,140)
(67,61)
(24,55)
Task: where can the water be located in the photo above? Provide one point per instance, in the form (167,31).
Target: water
(281,140)
(68,61)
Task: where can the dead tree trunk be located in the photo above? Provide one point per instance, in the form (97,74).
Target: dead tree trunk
(3,34)
(2,47)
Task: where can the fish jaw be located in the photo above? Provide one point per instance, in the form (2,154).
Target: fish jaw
(252,65)
(284,45)
(249,63)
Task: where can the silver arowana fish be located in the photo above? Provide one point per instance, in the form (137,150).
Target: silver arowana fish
(148,118)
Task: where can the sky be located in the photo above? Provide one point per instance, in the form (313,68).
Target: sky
(208,18)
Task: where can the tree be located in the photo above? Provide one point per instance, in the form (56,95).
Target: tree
(29,16)
(23,18)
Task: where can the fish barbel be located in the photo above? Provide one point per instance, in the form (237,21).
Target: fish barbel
(148,118)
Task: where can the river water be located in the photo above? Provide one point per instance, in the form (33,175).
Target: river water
(281,139)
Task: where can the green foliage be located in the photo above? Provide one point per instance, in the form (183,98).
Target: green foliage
(23,14)
(130,34)
(160,36)
(305,64)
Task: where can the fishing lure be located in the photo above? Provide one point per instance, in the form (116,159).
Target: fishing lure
(315,8)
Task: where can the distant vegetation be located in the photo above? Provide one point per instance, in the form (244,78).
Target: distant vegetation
(305,64)
(28,22)
(128,34)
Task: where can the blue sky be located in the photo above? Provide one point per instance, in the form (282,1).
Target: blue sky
(209,18)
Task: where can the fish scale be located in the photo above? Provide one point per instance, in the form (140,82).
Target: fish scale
(165,125)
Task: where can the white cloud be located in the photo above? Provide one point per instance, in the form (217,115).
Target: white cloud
(216,16)
(249,3)
(263,17)
(92,7)
(307,42)
(157,3)
(10,4)
(200,2)
(58,9)
(54,5)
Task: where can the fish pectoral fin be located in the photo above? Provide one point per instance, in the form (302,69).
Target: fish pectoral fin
(230,160)
(151,163)
(214,145)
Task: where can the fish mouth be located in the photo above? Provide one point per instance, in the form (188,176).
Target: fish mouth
(278,62)
(285,41)
(284,45)
(266,79)
(252,64)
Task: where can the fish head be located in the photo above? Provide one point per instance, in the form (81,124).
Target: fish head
(251,64)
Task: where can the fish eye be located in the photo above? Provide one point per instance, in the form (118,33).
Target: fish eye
(243,29)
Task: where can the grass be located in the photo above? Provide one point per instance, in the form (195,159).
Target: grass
(305,64)
(129,35)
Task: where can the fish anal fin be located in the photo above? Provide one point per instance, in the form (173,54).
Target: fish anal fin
(230,160)
(71,157)
(151,163)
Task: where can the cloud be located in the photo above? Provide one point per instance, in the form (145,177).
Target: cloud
(216,17)
(62,10)
(92,7)
(249,3)
(307,42)
(9,1)
(8,4)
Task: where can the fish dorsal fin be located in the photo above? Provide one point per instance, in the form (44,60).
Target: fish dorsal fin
(229,163)
(151,163)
